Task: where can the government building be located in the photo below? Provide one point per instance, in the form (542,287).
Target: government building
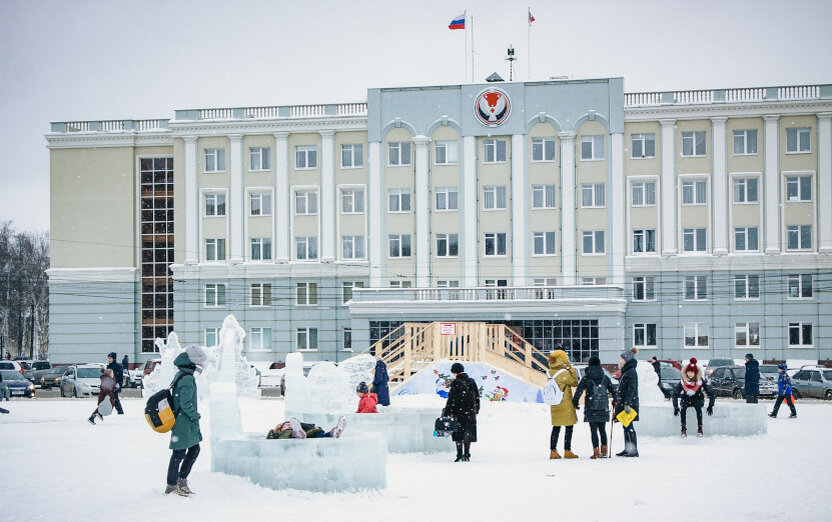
(687,223)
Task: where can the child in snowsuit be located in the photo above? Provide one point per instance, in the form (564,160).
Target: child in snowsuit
(563,414)
(627,400)
(366,401)
(598,389)
(105,391)
(784,391)
(692,389)
(294,429)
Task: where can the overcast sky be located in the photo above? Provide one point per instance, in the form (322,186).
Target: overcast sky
(142,59)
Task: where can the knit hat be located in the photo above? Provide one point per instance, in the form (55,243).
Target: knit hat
(782,367)
(630,354)
(749,356)
(594,361)
(196,354)
(691,367)
(113,355)
(362,387)
(457,368)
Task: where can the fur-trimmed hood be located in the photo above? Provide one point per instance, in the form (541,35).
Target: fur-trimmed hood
(696,378)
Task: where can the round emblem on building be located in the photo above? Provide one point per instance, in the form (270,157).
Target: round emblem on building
(492,107)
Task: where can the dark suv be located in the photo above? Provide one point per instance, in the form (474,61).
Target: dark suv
(729,381)
(813,383)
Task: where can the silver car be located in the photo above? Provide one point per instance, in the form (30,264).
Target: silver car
(82,379)
(815,383)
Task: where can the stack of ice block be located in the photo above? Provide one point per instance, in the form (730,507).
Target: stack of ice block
(735,419)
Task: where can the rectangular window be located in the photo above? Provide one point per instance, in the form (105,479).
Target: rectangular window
(695,239)
(260,339)
(447,245)
(214,160)
(398,200)
(644,193)
(346,289)
(644,241)
(696,288)
(695,192)
(259,158)
(212,337)
(593,241)
(215,249)
(544,243)
(800,286)
(352,156)
(494,150)
(746,239)
(306,203)
(746,334)
(643,145)
(352,247)
(495,244)
(799,188)
(306,248)
(447,198)
(214,204)
(496,294)
(399,245)
(799,237)
(593,281)
(214,294)
(696,335)
(447,284)
(261,248)
(746,286)
(543,196)
(401,284)
(644,288)
(644,334)
(352,201)
(799,140)
(592,148)
(306,157)
(746,190)
(347,334)
(398,153)
(544,293)
(307,338)
(261,294)
(306,293)
(592,195)
(800,334)
(543,149)
(260,204)
(494,198)
(693,143)
(445,153)
(745,142)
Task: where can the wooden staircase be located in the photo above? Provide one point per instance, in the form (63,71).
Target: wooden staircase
(412,346)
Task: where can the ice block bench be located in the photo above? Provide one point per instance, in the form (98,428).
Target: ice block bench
(406,430)
(734,419)
(353,461)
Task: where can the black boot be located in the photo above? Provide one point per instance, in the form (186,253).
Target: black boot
(91,420)
(458,452)
(626,442)
(466,457)
(633,449)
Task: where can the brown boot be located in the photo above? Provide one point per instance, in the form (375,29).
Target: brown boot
(569,455)
(595,454)
(604,453)
(553,455)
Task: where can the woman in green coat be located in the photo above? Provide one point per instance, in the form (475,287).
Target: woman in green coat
(563,414)
(185,436)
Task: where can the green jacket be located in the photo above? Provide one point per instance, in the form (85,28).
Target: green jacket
(185,432)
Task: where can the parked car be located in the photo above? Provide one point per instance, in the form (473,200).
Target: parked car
(52,377)
(18,384)
(133,378)
(813,382)
(148,367)
(28,372)
(82,379)
(39,369)
(713,364)
(272,378)
(671,376)
(768,371)
(11,365)
(667,363)
(729,381)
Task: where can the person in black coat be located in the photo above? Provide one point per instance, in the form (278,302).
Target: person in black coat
(380,379)
(751,388)
(464,405)
(627,399)
(598,389)
(692,388)
(118,376)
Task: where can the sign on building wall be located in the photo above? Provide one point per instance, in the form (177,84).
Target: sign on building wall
(447,328)
(492,107)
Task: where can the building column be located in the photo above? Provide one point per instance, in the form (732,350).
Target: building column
(771,190)
(617,205)
(720,187)
(375,217)
(668,192)
(236,211)
(825,182)
(282,200)
(421,204)
(328,213)
(468,191)
(192,214)
(568,244)
(519,228)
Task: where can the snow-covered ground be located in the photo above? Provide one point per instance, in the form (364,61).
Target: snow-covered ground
(56,466)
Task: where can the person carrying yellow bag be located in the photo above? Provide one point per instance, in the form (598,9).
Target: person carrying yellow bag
(627,401)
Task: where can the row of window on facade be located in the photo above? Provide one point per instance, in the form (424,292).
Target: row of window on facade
(746,334)
(259,339)
(495,150)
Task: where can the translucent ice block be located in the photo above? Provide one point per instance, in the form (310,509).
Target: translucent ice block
(735,419)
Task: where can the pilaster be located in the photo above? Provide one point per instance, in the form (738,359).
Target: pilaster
(375,216)
(328,206)
(719,187)
(617,202)
(282,203)
(668,192)
(568,245)
(519,210)
(468,194)
(191,200)
(421,205)
(771,182)
(236,210)
(825,182)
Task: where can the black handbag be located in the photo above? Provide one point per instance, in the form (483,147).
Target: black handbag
(445,426)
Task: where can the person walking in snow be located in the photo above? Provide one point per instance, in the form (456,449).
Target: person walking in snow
(118,375)
(751,387)
(185,435)
(463,404)
(380,386)
(366,401)
(598,389)
(627,400)
(563,414)
(4,389)
(784,392)
(692,389)
(105,393)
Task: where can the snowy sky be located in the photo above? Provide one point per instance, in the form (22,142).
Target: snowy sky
(117,59)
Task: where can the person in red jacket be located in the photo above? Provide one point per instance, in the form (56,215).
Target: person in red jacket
(366,401)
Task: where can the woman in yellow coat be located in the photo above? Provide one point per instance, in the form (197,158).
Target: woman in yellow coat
(564,413)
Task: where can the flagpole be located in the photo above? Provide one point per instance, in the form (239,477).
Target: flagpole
(465,56)
(472,48)
(529,22)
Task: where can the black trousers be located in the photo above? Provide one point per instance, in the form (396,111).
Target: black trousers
(181,462)
(789,401)
(596,428)
(751,399)
(567,438)
(116,402)
(684,410)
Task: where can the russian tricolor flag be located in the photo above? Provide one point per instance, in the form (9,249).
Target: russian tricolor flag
(458,22)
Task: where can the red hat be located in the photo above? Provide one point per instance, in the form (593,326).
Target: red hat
(691,367)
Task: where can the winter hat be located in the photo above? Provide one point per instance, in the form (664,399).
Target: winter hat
(749,356)
(196,354)
(113,355)
(782,367)
(457,368)
(594,361)
(630,354)
(691,367)
(362,387)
